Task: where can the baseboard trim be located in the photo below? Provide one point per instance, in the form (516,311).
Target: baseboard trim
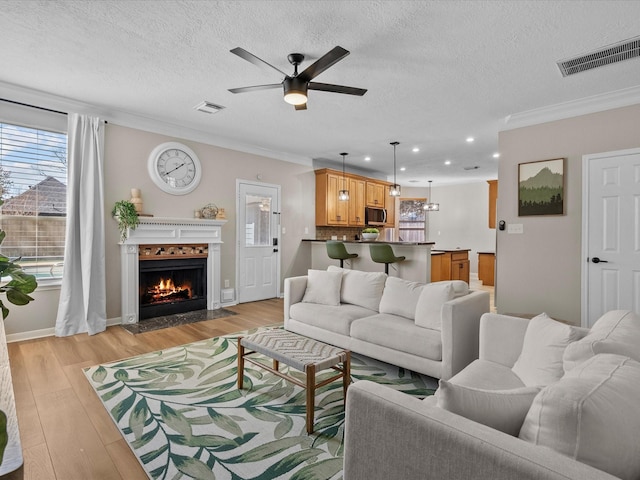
(48,332)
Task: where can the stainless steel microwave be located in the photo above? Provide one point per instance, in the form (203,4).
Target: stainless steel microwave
(375,216)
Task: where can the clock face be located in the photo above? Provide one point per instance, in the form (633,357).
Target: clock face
(174,168)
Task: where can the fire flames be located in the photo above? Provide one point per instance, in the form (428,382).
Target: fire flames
(166,291)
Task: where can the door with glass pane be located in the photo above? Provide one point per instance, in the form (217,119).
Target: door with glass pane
(258,240)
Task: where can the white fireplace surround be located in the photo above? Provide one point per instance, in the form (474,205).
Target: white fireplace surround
(158,230)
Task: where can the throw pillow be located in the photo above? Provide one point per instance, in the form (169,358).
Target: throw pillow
(591,415)
(504,410)
(361,288)
(323,287)
(429,307)
(540,362)
(400,297)
(617,331)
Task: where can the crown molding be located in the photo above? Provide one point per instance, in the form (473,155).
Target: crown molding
(38,98)
(583,106)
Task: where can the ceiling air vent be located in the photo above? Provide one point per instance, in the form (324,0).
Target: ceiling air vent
(604,56)
(208,107)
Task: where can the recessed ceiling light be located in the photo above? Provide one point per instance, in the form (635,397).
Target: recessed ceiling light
(415,150)
(414,181)
(367,159)
(496,155)
(402,169)
(470,139)
(447,162)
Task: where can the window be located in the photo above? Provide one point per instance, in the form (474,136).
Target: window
(411,225)
(33,178)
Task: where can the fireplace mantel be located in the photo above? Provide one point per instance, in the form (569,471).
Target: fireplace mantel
(163,230)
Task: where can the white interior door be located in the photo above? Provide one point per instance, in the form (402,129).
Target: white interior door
(611,233)
(258,238)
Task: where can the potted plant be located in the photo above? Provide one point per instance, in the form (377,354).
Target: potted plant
(127,217)
(370,233)
(17,291)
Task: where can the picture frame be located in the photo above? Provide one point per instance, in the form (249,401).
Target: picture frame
(541,187)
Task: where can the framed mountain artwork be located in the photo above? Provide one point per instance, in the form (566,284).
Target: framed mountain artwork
(541,187)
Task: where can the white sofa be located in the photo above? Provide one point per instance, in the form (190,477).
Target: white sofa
(430,329)
(582,425)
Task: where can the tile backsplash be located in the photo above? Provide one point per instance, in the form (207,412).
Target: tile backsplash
(325,233)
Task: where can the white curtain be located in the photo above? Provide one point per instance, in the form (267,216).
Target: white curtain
(83,303)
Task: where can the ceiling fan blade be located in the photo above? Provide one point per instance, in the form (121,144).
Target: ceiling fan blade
(250,57)
(301,107)
(255,88)
(327,87)
(324,62)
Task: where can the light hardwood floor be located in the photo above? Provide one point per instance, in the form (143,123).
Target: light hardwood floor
(65,431)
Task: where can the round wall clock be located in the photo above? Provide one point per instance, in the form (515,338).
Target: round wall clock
(174,168)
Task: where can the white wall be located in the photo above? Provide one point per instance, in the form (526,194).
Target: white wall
(463,219)
(540,270)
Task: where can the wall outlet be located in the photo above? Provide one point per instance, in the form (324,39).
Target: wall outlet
(515,228)
(226,283)
(284,230)
(306,230)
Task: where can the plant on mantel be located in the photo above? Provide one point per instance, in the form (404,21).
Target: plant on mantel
(127,217)
(17,291)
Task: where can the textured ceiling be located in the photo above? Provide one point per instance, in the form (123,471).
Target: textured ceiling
(436,71)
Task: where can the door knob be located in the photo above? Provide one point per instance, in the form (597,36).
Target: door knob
(597,260)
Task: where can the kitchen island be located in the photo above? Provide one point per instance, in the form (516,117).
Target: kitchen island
(416,267)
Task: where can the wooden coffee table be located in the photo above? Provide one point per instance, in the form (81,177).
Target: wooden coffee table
(302,353)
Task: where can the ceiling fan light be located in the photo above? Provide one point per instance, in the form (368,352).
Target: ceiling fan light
(295,98)
(295,91)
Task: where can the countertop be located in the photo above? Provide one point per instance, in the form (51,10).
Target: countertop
(374,241)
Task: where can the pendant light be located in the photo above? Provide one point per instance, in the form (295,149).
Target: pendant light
(394,191)
(431,207)
(343,195)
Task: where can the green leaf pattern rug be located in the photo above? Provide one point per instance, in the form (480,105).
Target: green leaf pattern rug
(183,416)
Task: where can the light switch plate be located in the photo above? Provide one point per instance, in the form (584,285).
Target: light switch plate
(515,228)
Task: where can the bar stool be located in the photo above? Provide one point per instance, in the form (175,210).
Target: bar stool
(337,251)
(383,253)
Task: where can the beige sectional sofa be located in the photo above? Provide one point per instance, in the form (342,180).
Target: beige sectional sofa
(430,329)
(544,400)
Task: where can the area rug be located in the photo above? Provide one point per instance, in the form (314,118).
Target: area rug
(183,417)
(156,323)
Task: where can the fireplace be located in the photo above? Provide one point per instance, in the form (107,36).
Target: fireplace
(184,251)
(172,286)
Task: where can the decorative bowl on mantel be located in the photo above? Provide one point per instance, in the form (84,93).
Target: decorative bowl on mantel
(369,236)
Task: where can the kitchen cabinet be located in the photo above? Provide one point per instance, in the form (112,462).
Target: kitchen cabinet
(436,266)
(357,199)
(329,210)
(390,206)
(376,194)
(362,192)
(493,200)
(486,268)
(454,265)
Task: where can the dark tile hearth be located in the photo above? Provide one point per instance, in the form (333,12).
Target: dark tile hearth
(156,323)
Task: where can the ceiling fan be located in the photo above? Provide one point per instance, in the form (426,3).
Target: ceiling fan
(296,85)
